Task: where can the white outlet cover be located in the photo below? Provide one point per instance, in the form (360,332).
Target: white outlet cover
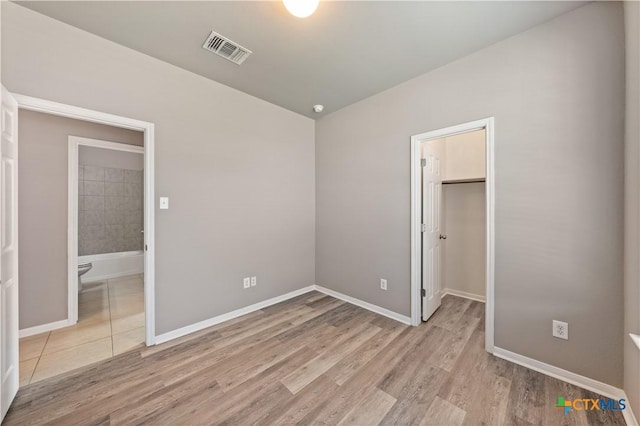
(560,330)
(246,282)
(164,203)
(254,281)
(383,284)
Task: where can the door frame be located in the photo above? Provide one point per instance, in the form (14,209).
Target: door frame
(69,111)
(75,142)
(416,217)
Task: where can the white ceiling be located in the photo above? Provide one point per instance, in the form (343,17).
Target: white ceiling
(343,53)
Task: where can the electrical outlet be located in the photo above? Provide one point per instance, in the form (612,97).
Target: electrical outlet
(254,281)
(561,330)
(246,283)
(383,284)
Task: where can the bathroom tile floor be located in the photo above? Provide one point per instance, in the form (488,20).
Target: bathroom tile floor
(110,322)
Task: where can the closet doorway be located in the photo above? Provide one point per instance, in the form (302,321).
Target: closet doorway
(452,219)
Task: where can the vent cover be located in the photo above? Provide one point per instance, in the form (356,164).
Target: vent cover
(226,48)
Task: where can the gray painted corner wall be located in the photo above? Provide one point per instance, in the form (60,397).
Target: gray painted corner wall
(557,95)
(464,251)
(632,206)
(42,202)
(239,171)
(110,158)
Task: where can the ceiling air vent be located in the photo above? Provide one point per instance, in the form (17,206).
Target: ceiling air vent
(226,48)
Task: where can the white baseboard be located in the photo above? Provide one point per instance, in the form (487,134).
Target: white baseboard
(566,376)
(366,305)
(629,417)
(183,331)
(32,331)
(464,294)
(569,377)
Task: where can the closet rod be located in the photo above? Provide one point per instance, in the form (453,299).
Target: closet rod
(464,181)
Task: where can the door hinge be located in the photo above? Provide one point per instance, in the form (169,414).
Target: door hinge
(423,228)
(423,162)
(145,248)
(423,292)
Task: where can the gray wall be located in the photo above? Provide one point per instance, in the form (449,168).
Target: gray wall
(632,206)
(557,95)
(93,156)
(43,153)
(239,171)
(464,250)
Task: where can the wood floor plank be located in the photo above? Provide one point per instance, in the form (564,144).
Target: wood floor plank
(441,412)
(355,389)
(460,388)
(446,354)
(416,395)
(311,360)
(356,360)
(489,407)
(372,410)
(450,312)
(344,344)
(526,402)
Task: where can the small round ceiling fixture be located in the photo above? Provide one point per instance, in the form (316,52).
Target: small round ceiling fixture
(301,8)
(318,108)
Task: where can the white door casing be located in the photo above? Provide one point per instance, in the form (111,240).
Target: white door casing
(431,227)
(9,376)
(488,124)
(69,111)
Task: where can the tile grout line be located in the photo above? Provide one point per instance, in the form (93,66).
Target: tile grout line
(33,373)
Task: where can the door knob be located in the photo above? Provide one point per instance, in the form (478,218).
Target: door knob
(443,237)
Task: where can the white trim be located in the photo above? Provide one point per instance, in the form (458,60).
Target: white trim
(116,146)
(464,294)
(629,416)
(569,377)
(636,339)
(72,232)
(32,331)
(366,305)
(69,111)
(149,236)
(560,374)
(416,249)
(192,328)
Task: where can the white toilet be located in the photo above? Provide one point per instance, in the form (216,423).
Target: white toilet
(83,269)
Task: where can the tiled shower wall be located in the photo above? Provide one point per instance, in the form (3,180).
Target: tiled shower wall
(110,216)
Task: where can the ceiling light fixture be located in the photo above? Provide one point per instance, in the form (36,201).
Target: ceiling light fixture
(318,108)
(301,8)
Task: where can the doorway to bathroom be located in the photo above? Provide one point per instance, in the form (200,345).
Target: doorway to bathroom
(65,323)
(106,238)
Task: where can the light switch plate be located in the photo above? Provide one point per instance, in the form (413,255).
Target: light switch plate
(164,203)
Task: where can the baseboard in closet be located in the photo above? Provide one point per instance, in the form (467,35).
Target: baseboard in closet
(464,294)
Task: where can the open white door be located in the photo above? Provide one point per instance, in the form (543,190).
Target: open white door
(9,251)
(431,227)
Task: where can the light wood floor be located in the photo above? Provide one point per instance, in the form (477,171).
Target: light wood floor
(311,360)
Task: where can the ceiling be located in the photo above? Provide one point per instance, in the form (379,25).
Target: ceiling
(343,53)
